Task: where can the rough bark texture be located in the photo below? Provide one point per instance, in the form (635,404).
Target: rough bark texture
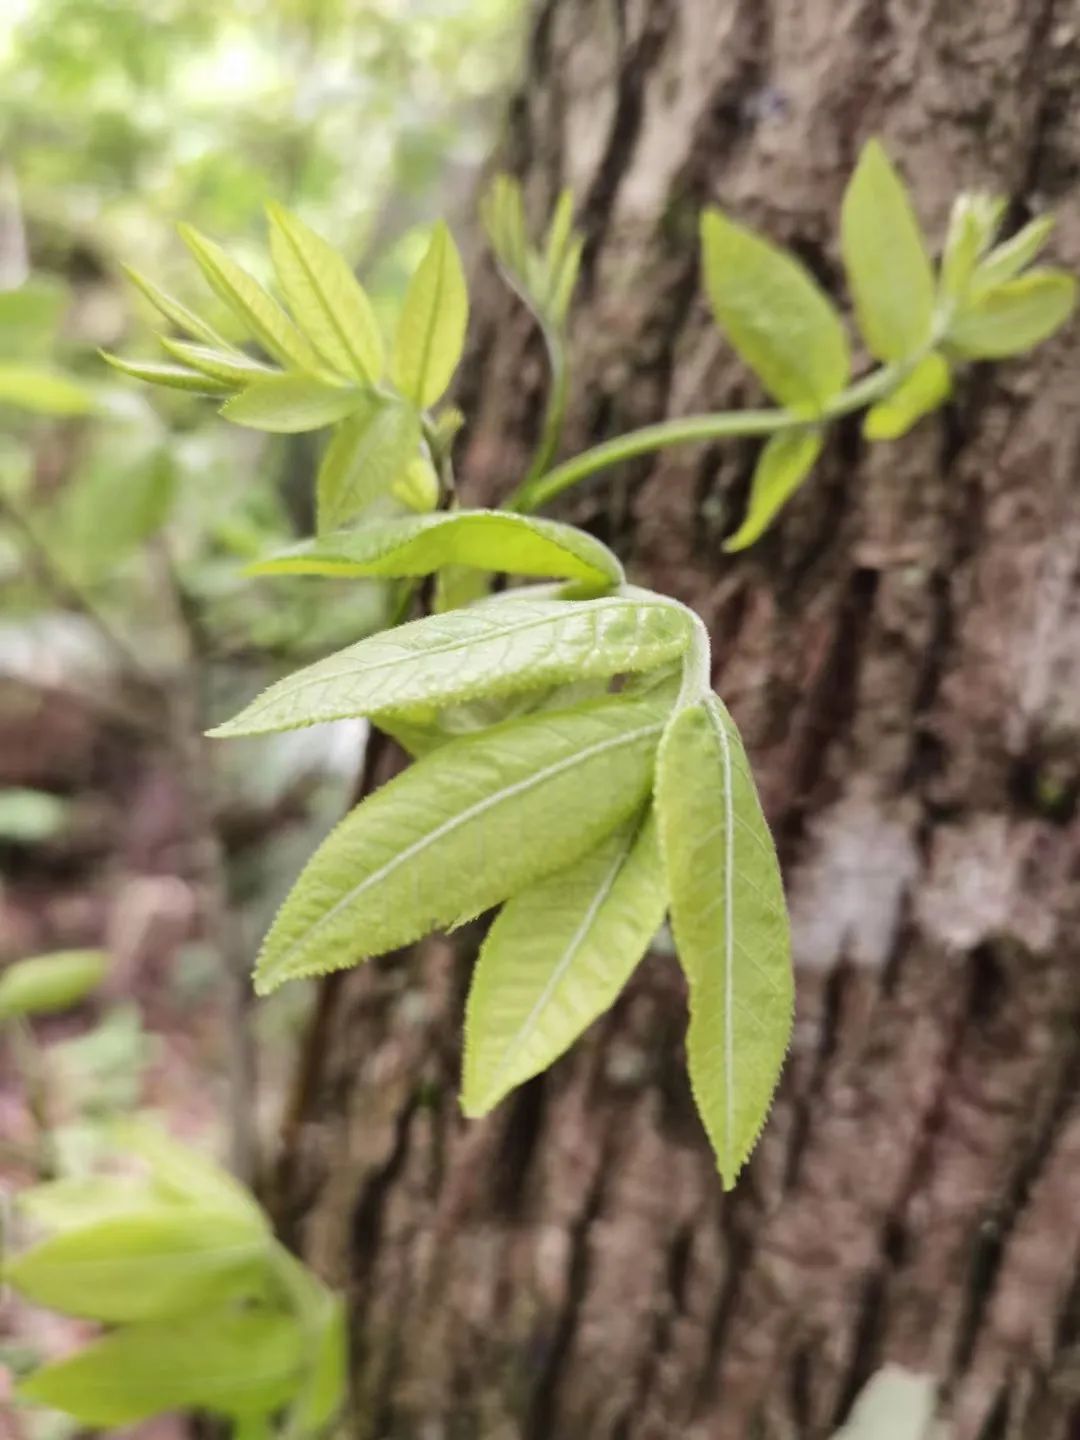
(901,653)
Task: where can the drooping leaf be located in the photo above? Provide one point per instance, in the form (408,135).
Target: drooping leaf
(487,651)
(784,463)
(365,456)
(258,311)
(171,377)
(462,830)
(229,1361)
(44,390)
(431,328)
(888,268)
(1007,260)
(1015,316)
(232,367)
(925,389)
(777,317)
(288,404)
(160,1261)
(185,320)
(44,984)
(326,299)
(421,544)
(730,924)
(556,958)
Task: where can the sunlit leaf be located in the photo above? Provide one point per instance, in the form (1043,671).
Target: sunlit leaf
(365,456)
(462,830)
(184,1174)
(730,925)
(972,225)
(556,958)
(885,256)
(172,377)
(775,314)
(925,389)
(326,299)
(43,390)
(231,367)
(1015,316)
(46,983)
(288,404)
(1007,260)
(784,463)
(431,327)
(185,320)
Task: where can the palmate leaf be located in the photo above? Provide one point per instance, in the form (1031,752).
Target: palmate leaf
(431,327)
(886,261)
(491,650)
(43,984)
(784,463)
(422,544)
(730,924)
(289,404)
(925,389)
(326,299)
(556,957)
(1014,316)
(777,317)
(367,453)
(230,1361)
(462,830)
(143,1265)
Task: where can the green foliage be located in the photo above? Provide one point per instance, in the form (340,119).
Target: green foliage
(431,328)
(291,403)
(543,275)
(1010,318)
(365,457)
(30,817)
(46,391)
(784,463)
(925,389)
(47,983)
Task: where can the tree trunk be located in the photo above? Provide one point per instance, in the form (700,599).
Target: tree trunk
(901,653)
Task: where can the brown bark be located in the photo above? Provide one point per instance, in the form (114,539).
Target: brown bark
(901,653)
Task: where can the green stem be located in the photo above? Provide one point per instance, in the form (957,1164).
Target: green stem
(554,411)
(533,493)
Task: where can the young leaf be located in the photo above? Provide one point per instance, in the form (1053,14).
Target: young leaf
(365,456)
(1015,316)
(230,1361)
(431,328)
(925,389)
(185,320)
(730,924)
(462,830)
(63,1204)
(172,377)
(776,316)
(885,256)
(486,651)
(143,1265)
(1007,260)
(972,225)
(556,958)
(43,390)
(782,466)
(262,315)
(422,544)
(288,404)
(326,299)
(47,983)
(417,486)
(182,1174)
(231,367)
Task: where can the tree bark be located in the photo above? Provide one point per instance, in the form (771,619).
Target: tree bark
(901,653)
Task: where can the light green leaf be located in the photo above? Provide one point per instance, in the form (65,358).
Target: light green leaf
(43,390)
(326,299)
(925,389)
(1014,317)
(972,225)
(261,314)
(417,486)
(185,320)
(431,328)
(171,377)
(730,924)
(782,466)
(232,367)
(229,1361)
(462,830)
(183,1174)
(486,651)
(1007,260)
(75,1201)
(885,256)
(44,984)
(321,1318)
(776,316)
(32,817)
(421,544)
(288,404)
(160,1261)
(556,958)
(365,456)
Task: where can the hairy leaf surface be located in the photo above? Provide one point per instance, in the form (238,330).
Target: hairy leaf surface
(493,649)
(784,463)
(462,830)
(365,456)
(885,256)
(422,544)
(730,924)
(431,328)
(326,299)
(556,958)
(775,314)
(288,404)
